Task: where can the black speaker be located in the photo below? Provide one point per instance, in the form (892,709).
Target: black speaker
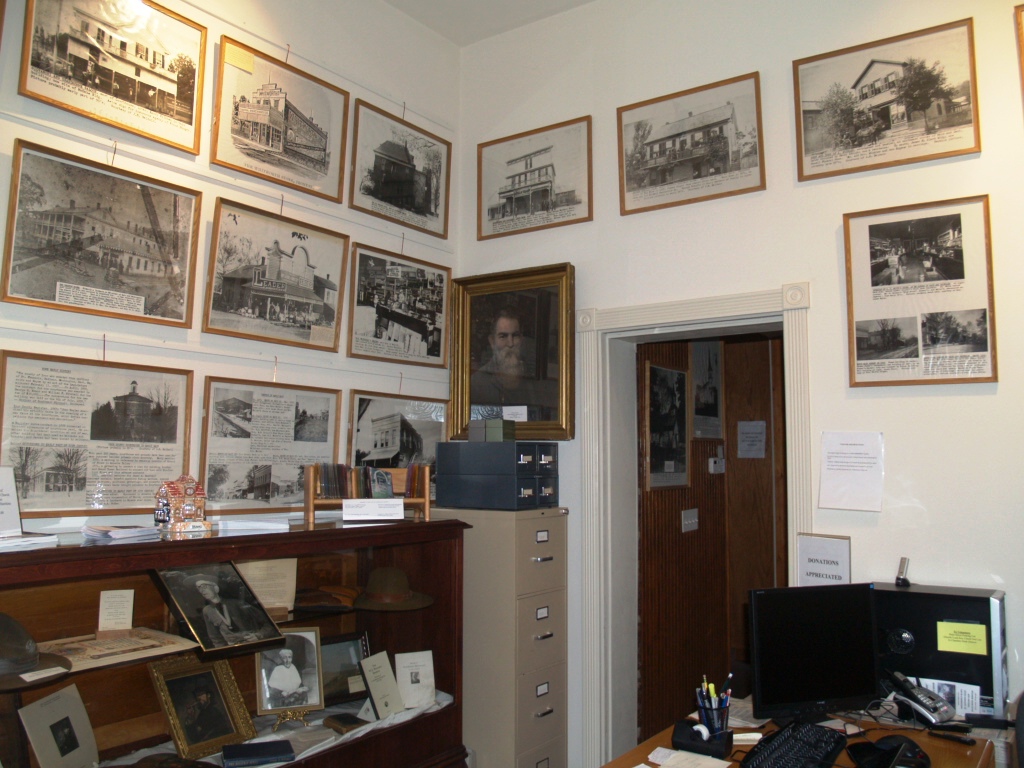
(686,738)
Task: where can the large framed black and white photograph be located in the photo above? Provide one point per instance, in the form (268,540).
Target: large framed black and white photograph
(513,333)
(706,389)
(904,99)
(84,238)
(667,431)
(400,172)
(134,65)
(290,678)
(340,656)
(274,279)
(394,431)
(535,180)
(920,297)
(278,123)
(694,145)
(398,308)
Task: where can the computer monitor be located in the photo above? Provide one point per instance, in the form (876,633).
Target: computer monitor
(813,651)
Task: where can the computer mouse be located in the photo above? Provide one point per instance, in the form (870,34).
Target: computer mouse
(913,756)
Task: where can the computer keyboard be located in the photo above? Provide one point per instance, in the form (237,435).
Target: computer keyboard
(797,745)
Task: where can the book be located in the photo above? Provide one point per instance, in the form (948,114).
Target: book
(258,753)
(415,675)
(59,729)
(380,682)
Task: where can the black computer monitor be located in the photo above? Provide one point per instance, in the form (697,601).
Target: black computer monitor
(813,651)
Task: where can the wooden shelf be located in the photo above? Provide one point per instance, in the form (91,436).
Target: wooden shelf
(314,499)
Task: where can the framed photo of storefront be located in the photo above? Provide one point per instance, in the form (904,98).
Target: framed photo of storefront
(904,99)
(398,308)
(920,294)
(135,66)
(400,172)
(535,180)
(275,122)
(274,279)
(84,238)
(394,430)
(694,145)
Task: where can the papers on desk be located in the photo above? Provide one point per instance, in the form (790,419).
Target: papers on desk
(669,758)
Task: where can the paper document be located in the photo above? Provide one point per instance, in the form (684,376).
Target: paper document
(852,471)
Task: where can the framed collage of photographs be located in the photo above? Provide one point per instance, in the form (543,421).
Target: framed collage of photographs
(290,677)
(666,430)
(393,431)
(920,297)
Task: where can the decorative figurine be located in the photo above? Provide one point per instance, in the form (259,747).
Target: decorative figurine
(181,506)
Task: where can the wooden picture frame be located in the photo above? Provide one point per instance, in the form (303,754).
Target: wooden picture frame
(1018,16)
(400,172)
(666,427)
(342,675)
(84,238)
(398,308)
(248,427)
(920,297)
(149,81)
(525,318)
(202,703)
(274,279)
(535,180)
(863,107)
(395,430)
(706,392)
(123,430)
(273,121)
(290,678)
(700,144)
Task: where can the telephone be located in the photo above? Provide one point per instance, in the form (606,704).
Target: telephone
(926,706)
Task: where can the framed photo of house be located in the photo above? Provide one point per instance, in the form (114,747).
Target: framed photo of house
(920,294)
(398,308)
(706,371)
(394,431)
(690,146)
(258,439)
(135,66)
(400,172)
(1018,15)
(513,333)
(904,99)
(274,279)
(290,678)
(90,436)
(202,703)
(535,180)
(340,657)
(275,122)
(666,430)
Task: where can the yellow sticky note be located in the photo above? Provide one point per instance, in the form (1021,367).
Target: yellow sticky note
(958,637)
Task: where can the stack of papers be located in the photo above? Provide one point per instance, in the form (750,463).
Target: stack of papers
(120,531)
(28,541)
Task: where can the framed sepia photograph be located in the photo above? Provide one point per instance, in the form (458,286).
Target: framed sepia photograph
(83,238)
(89,436)
(706,370)
(535,180)
(290,678)
(690,146)
(514,337)
(274,279)
(667,431)
(202,703)
(1018,15)
(135,66)
(275,122)
(398,308)
(919,292)
(342,675)
(904,99)
(258,439)
(392,431)
(400,172)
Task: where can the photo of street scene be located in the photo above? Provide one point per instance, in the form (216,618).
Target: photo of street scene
(955,333)
(891,338)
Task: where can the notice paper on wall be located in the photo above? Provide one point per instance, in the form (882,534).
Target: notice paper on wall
(852,471)
(823,559)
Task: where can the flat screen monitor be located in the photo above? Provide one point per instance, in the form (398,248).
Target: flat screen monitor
(813,651)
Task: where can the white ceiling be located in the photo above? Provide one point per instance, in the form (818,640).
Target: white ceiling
(468,21)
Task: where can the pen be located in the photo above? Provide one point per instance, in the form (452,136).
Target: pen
(953,737)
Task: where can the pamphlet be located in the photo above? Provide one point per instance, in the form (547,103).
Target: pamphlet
(372,509)
(60,732)
(415,675)
(380,681)
(273,581)
(10,514)
(117,607)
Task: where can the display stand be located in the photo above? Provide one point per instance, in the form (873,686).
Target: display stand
(314,499)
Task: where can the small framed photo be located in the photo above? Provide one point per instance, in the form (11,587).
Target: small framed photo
(202,703)
(135,66)
(513,333)
(393,431)
(920,297)
(904,99)
(290,678)
(1018,15)
(400,172)
(83,238)
(278,123)
(398,308)
(667,432)
(219,607)
(706,390)
(535,180)
(690,146)
(342,674)
(274,279)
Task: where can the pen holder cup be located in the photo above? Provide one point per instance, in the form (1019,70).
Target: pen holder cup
(715,719)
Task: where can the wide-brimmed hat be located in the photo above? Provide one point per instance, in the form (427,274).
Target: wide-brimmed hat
(19,655)
(201,578)
(387,589)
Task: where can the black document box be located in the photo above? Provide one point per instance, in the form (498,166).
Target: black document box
(507,475)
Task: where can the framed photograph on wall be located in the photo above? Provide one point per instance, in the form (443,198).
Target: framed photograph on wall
(395,431)
(275,122)
(135,66)
(904,99)
(666,430)
(514,337)
(398,308)
(706,370)
(1018,15)
(690,146)
(919,294)
(274,279)
(400,172)
(291,677)
(340,657)
(83,238)
(535,180)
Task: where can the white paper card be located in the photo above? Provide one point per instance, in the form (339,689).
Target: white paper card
(852,471)
(823,559)
(273,581)
(60,731)
(372,509)
(10,514)
(117,607)
(415,675)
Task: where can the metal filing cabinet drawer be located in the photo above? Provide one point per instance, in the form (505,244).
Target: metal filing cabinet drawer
(554,754)
(541,702)
(540,629)
(540,552)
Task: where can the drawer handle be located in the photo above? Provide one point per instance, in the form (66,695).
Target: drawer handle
(545,713)
(544,559)
(545,636)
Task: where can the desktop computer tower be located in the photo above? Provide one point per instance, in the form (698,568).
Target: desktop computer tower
(952,638)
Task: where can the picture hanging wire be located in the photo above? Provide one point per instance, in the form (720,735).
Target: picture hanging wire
(282,205)
(104,347)
(287,53)
(402,249)
(275,369)
(401,378)
(114,153)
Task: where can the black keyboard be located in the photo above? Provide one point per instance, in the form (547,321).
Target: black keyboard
(797,745)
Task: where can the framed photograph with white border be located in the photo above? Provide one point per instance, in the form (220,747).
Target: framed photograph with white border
(290,678)
(395,430)
(919,293)
(666,428)
(904,99)
(706,390)
(535,180)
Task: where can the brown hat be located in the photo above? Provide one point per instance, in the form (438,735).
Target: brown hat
(388,590)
